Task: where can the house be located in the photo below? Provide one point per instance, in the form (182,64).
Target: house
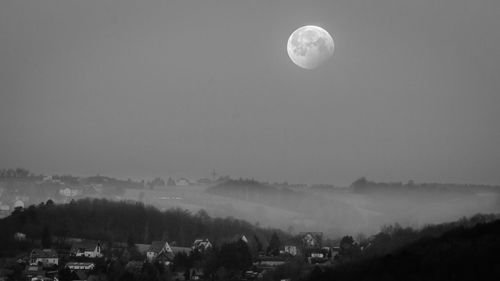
(45,257)
(18,236)
(161,249)
(89,249)
(157,249)
(80,265)
(291,250)
(201,245)
(312,239)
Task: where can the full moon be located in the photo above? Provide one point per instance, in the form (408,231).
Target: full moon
(310,46)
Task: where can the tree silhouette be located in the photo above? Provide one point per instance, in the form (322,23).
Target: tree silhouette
(274,245)
(258,243)
(349,249)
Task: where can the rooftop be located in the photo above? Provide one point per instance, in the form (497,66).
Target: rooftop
(43,253)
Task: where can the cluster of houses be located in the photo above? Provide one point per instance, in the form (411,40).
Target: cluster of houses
(310,248)
(82,258)
(44,264)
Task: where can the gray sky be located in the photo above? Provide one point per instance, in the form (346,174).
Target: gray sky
(145,88)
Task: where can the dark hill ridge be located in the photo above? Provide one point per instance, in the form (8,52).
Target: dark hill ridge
(104,220)
(459,254)
(363,185)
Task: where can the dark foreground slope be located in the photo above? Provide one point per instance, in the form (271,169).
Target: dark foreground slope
(460,254)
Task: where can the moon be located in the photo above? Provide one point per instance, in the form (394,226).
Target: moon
(310,46)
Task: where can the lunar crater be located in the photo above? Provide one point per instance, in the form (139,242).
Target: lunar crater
(310,46)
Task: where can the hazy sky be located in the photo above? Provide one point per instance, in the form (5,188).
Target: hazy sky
(178,88)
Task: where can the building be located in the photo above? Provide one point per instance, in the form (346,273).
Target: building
(201,245)
(312,239)
(291,250)
(244,239)
(89,249)
(161,249)
(19,236)
(157,249)
(80,265)
(45,257)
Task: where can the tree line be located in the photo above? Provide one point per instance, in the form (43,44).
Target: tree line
(104,220)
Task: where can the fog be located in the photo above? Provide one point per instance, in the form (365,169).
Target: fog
(360,208)
(363,207)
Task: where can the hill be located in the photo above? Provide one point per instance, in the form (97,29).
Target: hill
(361,208)
(104,220)
(459,254)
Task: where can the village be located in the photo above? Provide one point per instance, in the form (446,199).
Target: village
(87,259)
(105,229)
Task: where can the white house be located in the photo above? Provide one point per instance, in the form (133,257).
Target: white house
(89,249)
(290,249)
(201,245)
(157,249)
(46,257)
(80,265)
(19,236)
